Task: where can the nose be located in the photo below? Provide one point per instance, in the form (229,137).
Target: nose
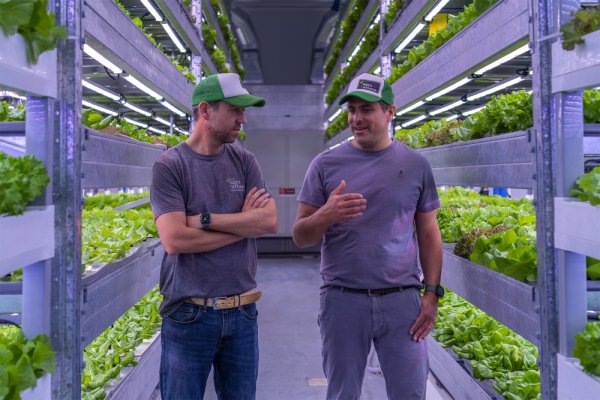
(241,117)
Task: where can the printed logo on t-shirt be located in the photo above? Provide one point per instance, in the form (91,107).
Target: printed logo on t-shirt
(371,86)
(235,185)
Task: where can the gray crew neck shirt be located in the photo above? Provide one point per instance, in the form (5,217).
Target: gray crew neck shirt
(183,180)
(379,249)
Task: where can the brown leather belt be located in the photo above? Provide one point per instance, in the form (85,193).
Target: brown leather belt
(225,303)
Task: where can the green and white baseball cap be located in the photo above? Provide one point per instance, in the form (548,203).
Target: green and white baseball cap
(226,87)
(369,88)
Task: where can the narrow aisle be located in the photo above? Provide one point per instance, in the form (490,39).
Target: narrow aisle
(290,348)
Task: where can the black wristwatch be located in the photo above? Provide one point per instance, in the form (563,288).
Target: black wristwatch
(205,221)
(437,289)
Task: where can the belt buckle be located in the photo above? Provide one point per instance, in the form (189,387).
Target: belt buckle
(375,292)
(215,300)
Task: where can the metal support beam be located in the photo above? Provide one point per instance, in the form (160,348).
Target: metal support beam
(66,186)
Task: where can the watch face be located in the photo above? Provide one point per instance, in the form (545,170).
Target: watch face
(205,219)
(439,290)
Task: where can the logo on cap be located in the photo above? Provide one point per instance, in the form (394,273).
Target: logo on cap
(371,86)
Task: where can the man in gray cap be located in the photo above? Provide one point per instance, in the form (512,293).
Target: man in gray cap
(362,200)
(210,202)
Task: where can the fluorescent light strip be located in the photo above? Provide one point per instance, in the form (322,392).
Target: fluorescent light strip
(172,108)
(410,37)
(435,10)
(181,130)
(377,70)
(153,129)
(450,88)
(446,108)
(137,109)
(99,108)
(335,114)
(495,89)
(134,122)
(174,37)
(143,87)
(414,121)
(450,118)
(100,90)
(502,60)
(377,18)
(410,108)
(162,121)
(14,95)
(473,111)
(152,10)
(101,59)
(356,49)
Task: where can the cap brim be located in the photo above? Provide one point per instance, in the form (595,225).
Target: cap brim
(361,95)
(245,100)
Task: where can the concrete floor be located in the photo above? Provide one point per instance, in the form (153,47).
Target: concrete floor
(290,347)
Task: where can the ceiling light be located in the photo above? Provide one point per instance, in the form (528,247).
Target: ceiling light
(473,111)
(446,107)
(172,108)
(494,89)
(101,59)
(152,10)
(410,37)
(181,130)
(134,122)
(174,37)
(136,109)
(410,108)
(450,118)
(448,89)
(153,129)
(335,114)
(162,121)
(143,87)
(435,10)
(414,120)
(99,108)
(14,95)
(100,90)
(502,60)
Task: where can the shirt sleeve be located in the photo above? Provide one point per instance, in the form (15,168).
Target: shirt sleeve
(166,193)
(313,188)
(254,176)
(428,200)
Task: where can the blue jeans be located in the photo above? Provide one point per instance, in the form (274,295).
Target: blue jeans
(194,337)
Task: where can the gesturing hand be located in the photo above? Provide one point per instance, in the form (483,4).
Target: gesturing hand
(342,207)
(256,198)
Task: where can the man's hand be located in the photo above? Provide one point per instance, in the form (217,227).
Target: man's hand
(256,198)
(426,319)
(342,207)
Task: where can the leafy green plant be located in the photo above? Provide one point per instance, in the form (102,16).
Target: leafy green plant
(591,106)
(34,23)
(115,348)
(22,361)
(455,25)
(229,37)
(22,179)
(593,269)
(390,16)
(495,352)
(10,113)
(583,22)
(338,124)
(370,43)
(588,187)
(503,113)
(587,349)
(464,246)
(112,200)
(346,28)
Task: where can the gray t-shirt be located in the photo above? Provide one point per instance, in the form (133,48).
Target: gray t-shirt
(379,249)
(183,180)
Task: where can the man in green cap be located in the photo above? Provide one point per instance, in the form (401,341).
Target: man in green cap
(210,202)
(363,200)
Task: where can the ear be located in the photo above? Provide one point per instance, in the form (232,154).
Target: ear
(203,108)
(390,113)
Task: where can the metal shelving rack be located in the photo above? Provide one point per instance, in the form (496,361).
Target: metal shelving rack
(565,222)
(507,160)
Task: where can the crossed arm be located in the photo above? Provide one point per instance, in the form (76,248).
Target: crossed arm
(183,234)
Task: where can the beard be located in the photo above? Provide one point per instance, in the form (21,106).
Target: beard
(223,136)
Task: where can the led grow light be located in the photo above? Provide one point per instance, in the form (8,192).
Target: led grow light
(414,121)
(152,10)
(143,87)
(172,108)
(137,123)
(494,89)
(136,109)
(435,10)
(173,37)
(448,89)
(446,107)
(100,90)
(410,37)
(502,60)
(410,108)
(99,108)
(101,59)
